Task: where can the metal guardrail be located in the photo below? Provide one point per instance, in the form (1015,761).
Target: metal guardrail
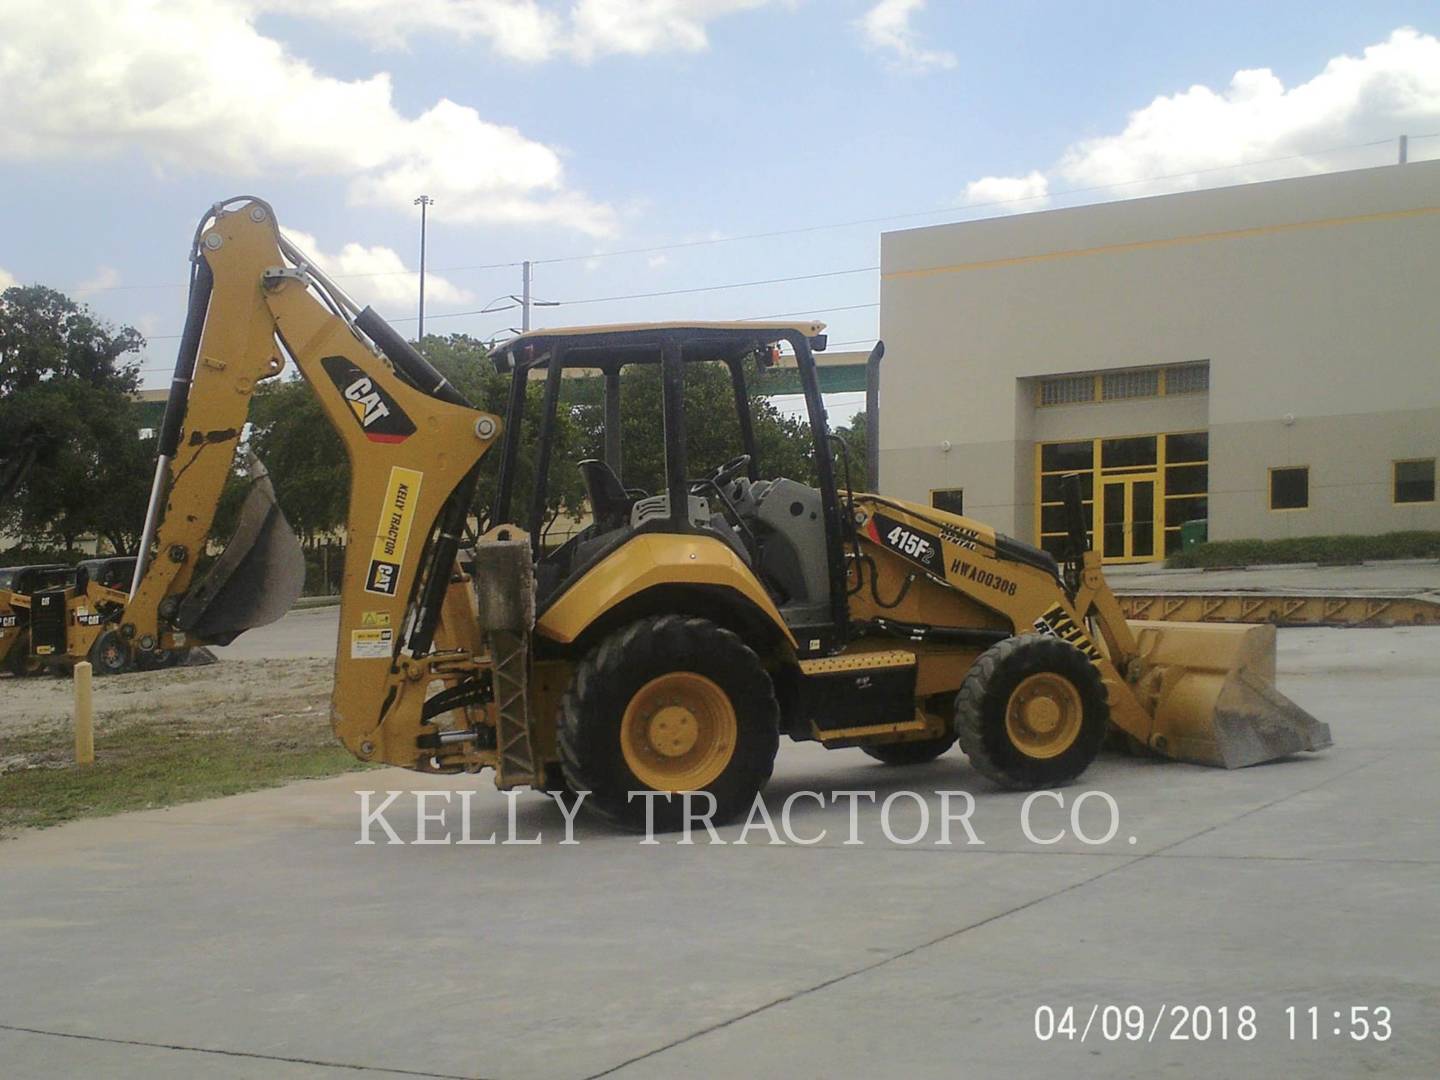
(1282,609)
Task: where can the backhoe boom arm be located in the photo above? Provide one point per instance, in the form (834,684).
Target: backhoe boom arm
(413,445)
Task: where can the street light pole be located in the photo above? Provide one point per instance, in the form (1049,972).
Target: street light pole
(424,202)
(525,296)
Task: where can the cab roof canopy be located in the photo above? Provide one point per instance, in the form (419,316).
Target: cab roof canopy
(639,343)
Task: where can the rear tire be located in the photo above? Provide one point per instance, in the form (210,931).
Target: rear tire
(1032,712)
(19,662)
(155,659)
(669,704)
(915,752)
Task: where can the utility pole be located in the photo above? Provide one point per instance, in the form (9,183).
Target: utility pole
(1404,149)
(424,202)
(525,296)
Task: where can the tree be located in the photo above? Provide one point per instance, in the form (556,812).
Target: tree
(306,459)
(307,464)
(712,427)
(70,379)
(856,438)
(466,363)
(292,436)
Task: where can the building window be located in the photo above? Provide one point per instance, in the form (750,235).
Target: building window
(1140,382)
(1120,384)
(1067,390)
(1134,453)
(1415,481)
(1189,379)
(1290,488)
(951,500)
(1151,483)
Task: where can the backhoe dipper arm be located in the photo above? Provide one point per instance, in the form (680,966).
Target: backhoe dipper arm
(413,454)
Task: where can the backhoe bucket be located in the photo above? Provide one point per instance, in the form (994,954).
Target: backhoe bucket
(1211,691)
(256,579)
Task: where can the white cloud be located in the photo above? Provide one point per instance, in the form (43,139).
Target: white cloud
(7,279)
(193,84)
(886,28)
(655,262)
(644,26)
(530,30)
(519,29)
(106,277)
(1020,193)
(378,276)
(1203,137)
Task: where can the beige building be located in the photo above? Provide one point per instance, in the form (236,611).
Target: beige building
(1266,357)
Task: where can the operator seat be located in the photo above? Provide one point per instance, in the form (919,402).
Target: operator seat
(609,504)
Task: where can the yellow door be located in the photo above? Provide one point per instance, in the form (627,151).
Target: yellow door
(1128,528)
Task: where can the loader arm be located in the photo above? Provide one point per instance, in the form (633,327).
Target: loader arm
(413,446)
(1197,692)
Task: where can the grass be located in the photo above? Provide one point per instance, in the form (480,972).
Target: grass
(1415,544)
(142,764)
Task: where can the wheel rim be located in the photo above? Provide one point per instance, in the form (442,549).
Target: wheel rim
(1044,715)
(111,655)
(678,732)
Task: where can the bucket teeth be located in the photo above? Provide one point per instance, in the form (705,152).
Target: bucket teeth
(1254,722)
(1211,692)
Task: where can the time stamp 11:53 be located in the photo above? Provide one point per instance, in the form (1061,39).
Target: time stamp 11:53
(1206,1023)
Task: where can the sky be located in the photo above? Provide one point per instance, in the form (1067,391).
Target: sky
(640,147)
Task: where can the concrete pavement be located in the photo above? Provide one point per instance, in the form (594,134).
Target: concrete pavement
(312,631)
(1397,577)
(252,937)
(303,632)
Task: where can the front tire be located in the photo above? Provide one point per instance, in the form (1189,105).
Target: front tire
(669,704)
(1032,712)
(110,655)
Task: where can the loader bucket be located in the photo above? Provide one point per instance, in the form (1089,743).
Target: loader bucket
(1211,691)
(257,577)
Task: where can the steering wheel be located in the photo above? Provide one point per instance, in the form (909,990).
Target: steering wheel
(730,470)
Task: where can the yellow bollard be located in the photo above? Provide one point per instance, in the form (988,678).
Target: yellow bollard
(84,716)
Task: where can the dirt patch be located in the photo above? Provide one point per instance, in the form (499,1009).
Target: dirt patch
(234,691)
(164,737)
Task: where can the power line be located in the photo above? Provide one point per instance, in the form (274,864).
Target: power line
(487,310)
(337,277)
(801,230)
(851,223)
(808,311)
(669,292)
(953,208)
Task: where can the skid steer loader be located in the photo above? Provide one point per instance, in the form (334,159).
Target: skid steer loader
(17,585)
(670,643)
(54,615)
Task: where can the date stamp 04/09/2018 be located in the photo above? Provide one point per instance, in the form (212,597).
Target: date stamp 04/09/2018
(1208,1023)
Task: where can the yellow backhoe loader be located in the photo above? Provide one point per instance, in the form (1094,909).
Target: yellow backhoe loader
(669,644)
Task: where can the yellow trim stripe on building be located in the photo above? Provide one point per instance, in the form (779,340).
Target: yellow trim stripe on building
(1174,241)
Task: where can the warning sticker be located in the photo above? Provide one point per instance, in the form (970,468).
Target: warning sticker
(397,514)
(371,644)
(375,618)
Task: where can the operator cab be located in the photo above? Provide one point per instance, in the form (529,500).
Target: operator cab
(785,530)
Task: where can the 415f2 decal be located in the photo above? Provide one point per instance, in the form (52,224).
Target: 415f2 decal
(909,542)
